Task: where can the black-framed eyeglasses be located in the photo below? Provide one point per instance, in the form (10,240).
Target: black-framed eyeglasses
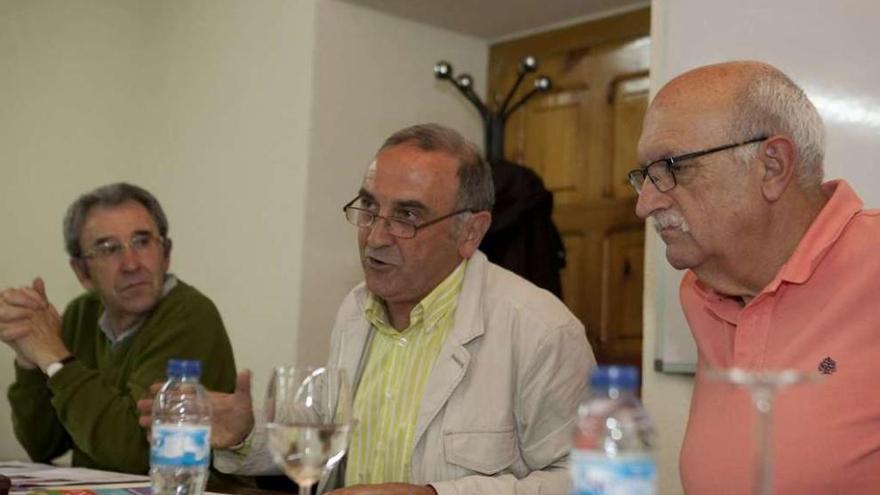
(398,227)
(113,248)
(662,172)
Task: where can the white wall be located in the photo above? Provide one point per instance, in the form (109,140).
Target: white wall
(373,75)
(69,96)
(827,49)
(205,103)
(251,121)
(231,154)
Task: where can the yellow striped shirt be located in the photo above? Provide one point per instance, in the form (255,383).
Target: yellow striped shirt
(390,392)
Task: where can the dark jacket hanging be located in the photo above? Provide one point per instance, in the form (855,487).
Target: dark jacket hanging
(522,237)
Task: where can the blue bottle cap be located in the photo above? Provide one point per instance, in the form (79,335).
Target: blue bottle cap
(184,367)
(614,377)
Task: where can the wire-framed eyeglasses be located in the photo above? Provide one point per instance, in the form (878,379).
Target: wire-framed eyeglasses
(113,248)
(398,227)
(662,172)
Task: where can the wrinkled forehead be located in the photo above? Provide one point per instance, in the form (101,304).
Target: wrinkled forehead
(118,221)
(407,173)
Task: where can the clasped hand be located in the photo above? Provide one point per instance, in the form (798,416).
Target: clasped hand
(31,326)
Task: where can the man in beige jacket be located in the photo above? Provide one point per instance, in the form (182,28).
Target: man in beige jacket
(485,369)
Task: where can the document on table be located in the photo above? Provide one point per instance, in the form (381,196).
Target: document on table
(27,476)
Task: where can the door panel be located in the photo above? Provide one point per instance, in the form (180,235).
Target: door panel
(581,138)
(629,100)
(550,140)
(572,281)
(622,277)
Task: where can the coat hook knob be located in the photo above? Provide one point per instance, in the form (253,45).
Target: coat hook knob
(442,70)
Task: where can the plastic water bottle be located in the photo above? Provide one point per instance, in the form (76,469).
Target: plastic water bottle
(181,451)
(613,440)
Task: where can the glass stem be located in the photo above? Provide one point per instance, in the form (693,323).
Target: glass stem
(763,458)
(305,489)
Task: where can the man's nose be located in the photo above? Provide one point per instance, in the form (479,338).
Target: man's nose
(650,200)
(131,259)
(378,234)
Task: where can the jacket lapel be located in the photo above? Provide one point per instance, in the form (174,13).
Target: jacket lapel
(452,363)
(354,344)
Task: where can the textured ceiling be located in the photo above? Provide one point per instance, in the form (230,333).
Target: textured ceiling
(495,19)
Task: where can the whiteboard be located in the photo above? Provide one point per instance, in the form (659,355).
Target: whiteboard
(828,48)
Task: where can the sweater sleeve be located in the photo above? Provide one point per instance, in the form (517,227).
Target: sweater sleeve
(98,407)
(34,421)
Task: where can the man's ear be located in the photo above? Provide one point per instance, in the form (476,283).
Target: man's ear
(166,247)
(166,250)
(472,233)
(779,159)
(81,269)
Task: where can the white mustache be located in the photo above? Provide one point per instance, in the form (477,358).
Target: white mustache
(385,254)
(669,219)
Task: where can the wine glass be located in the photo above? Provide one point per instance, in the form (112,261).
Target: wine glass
(763,387)
(308,414)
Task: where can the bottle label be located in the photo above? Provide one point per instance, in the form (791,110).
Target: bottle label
(593,473)
(181,445)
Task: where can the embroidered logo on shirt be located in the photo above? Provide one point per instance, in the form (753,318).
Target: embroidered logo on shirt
(827,366)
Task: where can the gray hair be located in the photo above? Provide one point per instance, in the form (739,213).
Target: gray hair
(476,190)
(771,103)
(107,196)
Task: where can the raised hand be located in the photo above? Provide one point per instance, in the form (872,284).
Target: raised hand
(31,326)
(16,307)
(43,344)
(232,415)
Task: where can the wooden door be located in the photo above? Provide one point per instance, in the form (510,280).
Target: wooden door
(581,138)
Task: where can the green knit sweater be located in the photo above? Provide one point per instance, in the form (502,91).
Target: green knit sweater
(90,405)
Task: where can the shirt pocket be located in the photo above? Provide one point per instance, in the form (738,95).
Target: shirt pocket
(485,452)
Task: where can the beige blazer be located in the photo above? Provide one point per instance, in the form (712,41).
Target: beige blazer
(500,402)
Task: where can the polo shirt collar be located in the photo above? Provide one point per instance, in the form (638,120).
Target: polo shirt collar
(843,204)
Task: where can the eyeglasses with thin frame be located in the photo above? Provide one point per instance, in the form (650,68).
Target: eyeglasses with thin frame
(398,227)
(113,248)
(662,172)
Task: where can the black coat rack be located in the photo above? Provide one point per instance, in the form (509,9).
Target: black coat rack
(493,122)
(522,237)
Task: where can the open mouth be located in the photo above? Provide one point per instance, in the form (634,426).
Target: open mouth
(381,258)
(376,262)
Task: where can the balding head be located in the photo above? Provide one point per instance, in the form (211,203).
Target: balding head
(726,147)
(719,83)
(746,99)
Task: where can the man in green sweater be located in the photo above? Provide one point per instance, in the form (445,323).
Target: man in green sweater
(79,375)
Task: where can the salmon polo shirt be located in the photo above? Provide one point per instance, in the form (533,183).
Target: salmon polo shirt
(821,313)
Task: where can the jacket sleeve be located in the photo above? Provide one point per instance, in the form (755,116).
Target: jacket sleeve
(102,417)
(252,459)
(551,385)
(33,419)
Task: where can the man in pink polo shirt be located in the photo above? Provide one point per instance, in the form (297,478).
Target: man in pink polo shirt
(783,273)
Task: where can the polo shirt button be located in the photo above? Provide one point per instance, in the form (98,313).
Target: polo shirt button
(402,342)
(389,394)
